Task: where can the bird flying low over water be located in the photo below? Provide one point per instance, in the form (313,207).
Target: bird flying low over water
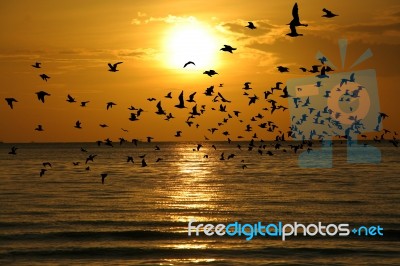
(42,171)
(250,25)
(41,95)
(13,150)
(113,67)
(227,48)
(328,14)
(103,176)
(10,102)
(210,72)
(188,63)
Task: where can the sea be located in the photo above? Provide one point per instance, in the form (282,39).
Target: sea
(141,215)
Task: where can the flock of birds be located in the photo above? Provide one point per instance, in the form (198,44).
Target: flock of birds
(220,104)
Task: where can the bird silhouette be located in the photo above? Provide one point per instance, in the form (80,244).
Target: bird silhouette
(188,63)
(133,117)
(83,104)
(10,102)
(44,77)
(36,65)
(103,125)
(328,14)
(210,73)
(110,105)
(45,164)
(160,111)
(227,48)
(42,171)
(250,25)
(39,128)
(113,67)
(13,150)
(90,158)
(103,176)
(70,99)
(295,22)
(144,164)
(191,98)
(169,95)
(78,124)
(41,95)
(178,134)
(181,101)
(282,69)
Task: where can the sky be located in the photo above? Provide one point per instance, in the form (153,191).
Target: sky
(75,40)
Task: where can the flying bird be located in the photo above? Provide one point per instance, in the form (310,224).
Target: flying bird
(103,176)
(70,99)
(282,69)
(160,111)
(328,14)
(41,95)
(13,150)
(42,171)
(39,128)
(210,73)
(251,26)
(295,22)
(113,68)
(10,102)
(78,124)
(110,105)
(181,101)
(227,48)
(44,77)
(83,104)
(169,95)
(188,63)
(36,65)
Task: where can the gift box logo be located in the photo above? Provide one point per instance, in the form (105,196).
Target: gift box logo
(335,104)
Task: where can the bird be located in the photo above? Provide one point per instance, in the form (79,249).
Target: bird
(144,164)
(129,159)
(36,65)
(133,117)
(45,164)
(149,139)
(178,133)
(83,104)
(113,67)
(247,86)
(227,48)
(295,22)
(70,99)
(314,69)
(251,25)
(78,124)
(188,63)
(10,102)
(44,77)
(282,69)
(90,158)
(103,125)
(13,150)
(181,102)
(110,105)
(210,72)
(42,171)
(169,95)
(151,99)
(39,128)
(160,111)
(191,98)
(103,176)
(328,14)
(41,95)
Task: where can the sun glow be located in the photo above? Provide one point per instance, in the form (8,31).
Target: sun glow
(191,42)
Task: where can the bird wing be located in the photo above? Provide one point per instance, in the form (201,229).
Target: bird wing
(295,14)
(181,102)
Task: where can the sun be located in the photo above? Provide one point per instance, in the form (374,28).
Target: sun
(191,42)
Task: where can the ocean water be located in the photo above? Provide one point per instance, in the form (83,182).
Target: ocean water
(140,215)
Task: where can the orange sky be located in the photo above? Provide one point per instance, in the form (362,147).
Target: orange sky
(74,41)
